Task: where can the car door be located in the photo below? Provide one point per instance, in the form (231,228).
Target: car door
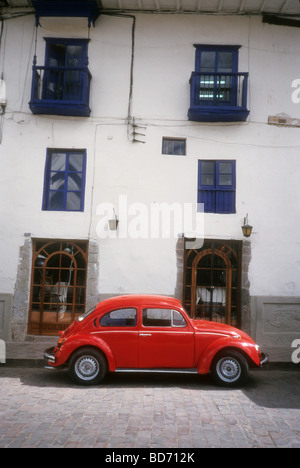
(166,339)
(118,328)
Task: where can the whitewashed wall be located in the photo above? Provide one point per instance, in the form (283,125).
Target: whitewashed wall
(267,157)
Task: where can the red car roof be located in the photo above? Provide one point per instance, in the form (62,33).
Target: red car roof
(140,300)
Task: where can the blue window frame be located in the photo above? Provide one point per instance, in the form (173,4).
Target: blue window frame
(62,85)
(217,66)
(217,186)
(218,90)
(64,184)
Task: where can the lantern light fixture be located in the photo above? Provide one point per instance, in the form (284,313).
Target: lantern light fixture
(246,228)
(113,223)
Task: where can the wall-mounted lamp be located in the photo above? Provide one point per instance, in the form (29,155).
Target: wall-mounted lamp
(246,228)
(113,223)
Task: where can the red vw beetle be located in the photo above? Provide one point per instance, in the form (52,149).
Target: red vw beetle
(152,333)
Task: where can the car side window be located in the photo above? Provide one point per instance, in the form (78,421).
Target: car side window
(163,318)
(119,318)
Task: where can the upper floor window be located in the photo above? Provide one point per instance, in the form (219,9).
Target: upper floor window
(218,90)
(62,85)
(217,66)
(217,186)
(174,146)
(64,184)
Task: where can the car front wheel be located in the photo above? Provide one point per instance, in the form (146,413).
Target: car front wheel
(230,369)
(87,366)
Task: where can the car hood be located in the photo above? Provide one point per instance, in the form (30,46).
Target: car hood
(220,328)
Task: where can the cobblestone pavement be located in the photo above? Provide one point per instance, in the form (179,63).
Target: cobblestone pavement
(42,408)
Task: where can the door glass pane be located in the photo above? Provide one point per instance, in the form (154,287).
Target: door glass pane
(53,305)
(208,60)
(225,62)
(57,55)
(74,56)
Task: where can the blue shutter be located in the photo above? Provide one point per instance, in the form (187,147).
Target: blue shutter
(225,187)
(206,193)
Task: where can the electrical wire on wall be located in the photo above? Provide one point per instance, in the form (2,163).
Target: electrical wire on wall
(2,90)
(132,127)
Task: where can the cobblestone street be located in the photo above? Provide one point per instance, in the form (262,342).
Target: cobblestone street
(42,408)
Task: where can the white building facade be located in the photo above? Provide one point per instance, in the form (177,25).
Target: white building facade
(141,112)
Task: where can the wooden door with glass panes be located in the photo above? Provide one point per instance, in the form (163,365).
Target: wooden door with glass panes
(58,285)
(212,287)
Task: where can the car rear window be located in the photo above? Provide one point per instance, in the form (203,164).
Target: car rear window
(119,318)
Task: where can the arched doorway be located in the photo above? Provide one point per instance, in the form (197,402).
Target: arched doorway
(57,286)
(212,282)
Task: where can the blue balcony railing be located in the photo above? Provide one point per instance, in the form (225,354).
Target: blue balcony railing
(60,91)
(218,97)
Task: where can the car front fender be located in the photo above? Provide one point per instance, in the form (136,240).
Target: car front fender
(73,343)
(249,350)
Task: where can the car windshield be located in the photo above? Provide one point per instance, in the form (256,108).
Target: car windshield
(86,314)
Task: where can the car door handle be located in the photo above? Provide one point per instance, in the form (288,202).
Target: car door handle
(145,334)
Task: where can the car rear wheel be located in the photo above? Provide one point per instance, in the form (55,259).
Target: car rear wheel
(87,366)
(230,369)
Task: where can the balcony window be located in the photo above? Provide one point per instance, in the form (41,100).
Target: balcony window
(218,90)
(62,85)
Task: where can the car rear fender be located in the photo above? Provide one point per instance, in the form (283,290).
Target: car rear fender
(247,349)
(74,343)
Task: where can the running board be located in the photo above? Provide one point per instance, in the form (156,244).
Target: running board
(159,371)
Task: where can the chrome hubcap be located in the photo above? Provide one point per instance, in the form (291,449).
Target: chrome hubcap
(228,369)
(87,368)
